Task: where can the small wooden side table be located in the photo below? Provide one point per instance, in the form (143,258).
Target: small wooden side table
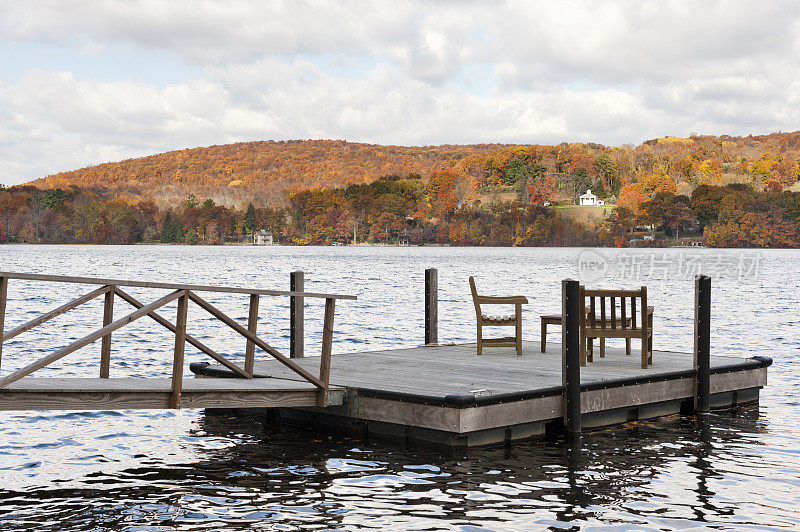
(549,319)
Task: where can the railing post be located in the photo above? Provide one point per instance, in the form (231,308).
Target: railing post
(570,355)
(252,326)
(3,295)
(180,342)
(702,343)
(431,306)
(105,343)
(296,316)
(327,341)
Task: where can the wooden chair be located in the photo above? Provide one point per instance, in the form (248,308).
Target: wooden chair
(485,320)
(618,320)
(555,319)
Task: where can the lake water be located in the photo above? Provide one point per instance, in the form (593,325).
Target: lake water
(192,470)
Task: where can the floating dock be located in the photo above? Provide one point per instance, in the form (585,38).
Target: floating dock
(437,394)
(448,395)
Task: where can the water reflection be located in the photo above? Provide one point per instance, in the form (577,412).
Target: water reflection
(670,473)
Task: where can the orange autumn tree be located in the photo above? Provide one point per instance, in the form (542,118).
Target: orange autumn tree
(652,184)
(631,197)
(541,188)
(442,193)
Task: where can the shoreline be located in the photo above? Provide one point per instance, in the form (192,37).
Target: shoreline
(379,245)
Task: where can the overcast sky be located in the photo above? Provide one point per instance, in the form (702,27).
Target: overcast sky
(88,82)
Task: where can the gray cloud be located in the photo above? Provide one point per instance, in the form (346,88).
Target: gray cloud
(395,72)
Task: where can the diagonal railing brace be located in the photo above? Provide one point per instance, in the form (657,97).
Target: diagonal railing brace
(190,339)
(211,309)
(86,340)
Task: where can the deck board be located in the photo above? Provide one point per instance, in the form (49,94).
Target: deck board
(457,369)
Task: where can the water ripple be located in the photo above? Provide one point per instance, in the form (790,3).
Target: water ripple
(195,470)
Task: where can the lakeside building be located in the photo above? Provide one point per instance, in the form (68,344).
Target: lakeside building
(590,199)
(262,238)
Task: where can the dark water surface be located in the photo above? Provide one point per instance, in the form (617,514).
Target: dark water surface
(195,470)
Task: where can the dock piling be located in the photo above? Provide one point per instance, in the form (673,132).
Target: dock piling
(180,342)
(296,316)
(570,356)
(325,359)
(3,295)
(702,343)
(252,326)
(431,306)
(105,343)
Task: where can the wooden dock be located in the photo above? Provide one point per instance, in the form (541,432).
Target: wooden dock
(448,395)
(439,394)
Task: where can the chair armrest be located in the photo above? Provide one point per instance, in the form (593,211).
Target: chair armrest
(497,300)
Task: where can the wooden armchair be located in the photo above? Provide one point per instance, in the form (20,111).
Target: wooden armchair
(484,320)
(618,322)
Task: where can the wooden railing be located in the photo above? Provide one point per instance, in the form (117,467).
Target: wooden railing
(183,293)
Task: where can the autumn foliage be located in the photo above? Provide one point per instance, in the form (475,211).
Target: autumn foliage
(733,190)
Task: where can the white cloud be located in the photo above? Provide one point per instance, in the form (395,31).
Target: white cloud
(391,72)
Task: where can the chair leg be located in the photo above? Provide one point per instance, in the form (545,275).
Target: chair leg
(519,336)
(544,336)
(644,353)
(582,343)
(602,347)
(480,340)
(628,346)
(590,349)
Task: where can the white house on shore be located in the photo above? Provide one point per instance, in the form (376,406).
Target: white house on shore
(262,238)
(590,199)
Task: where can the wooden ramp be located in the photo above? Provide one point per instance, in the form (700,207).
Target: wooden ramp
(20,391)
(35,393)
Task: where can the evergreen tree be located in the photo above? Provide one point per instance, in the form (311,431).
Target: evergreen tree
(171,229)
(250,219)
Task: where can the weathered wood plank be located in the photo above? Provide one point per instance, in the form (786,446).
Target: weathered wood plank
(507,414)
(401,413)
(157,384)
(638,394)
(459,370)
(738,380)
(252,326)
(82,400)
(431,306)
(168,286)
(180,343)
(105,345)
(296,317)
(13,400)
(3,295)
(325,358)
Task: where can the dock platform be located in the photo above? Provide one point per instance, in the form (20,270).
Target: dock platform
(448,395)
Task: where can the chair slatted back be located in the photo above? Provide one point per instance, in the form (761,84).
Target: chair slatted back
(617,308)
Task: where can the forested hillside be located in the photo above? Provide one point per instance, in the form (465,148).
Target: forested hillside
(731,191)
(269,172)
(264,172)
